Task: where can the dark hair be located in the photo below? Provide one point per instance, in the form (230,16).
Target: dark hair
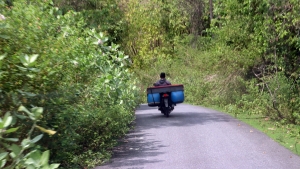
(162,75)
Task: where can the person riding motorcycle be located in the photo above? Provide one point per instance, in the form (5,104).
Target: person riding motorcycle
(162,81)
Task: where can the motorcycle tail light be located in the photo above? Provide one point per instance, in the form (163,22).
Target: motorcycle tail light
(165,95)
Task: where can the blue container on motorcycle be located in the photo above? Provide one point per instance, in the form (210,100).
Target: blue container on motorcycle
(177,96)
(153,99)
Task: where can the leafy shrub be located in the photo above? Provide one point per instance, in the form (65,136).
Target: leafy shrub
(23,154)
(53,61)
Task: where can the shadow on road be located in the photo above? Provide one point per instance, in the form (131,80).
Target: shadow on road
(148,117)
(133,150)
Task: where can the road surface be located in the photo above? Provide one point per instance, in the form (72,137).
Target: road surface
(194,137)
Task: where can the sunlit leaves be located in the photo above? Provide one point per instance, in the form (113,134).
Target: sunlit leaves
(37,138)
(11,139)
(15,150)
(37,111)
(3,56)
(3,155)
(39,160)
(44,158)
(6,121)
(11,130)
(25,143)
(101,39)
(28,60)
(24,109)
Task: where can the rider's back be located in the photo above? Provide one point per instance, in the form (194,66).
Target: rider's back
(162,82)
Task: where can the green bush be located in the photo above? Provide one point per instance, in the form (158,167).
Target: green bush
(15,153)
(83,83)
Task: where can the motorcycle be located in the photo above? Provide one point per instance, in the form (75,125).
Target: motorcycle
(165,97)
(166,106)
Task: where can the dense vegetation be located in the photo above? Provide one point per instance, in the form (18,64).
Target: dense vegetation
(246,58)
(242,56)
(59,75)
(64,72)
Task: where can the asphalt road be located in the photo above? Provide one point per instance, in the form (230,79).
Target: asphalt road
(194,137)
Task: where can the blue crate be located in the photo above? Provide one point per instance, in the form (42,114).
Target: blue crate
(153,99)
(177,96)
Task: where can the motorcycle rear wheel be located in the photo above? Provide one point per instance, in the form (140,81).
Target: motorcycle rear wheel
(166,112)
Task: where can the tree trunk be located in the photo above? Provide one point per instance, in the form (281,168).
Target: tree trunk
(211,8)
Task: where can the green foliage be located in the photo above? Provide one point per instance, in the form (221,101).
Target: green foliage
(102,15)
(262,36)
(248,62)
(22,153)
(153,29)
(82,81)
(245,61)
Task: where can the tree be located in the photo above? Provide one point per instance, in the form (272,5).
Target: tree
(211,8)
